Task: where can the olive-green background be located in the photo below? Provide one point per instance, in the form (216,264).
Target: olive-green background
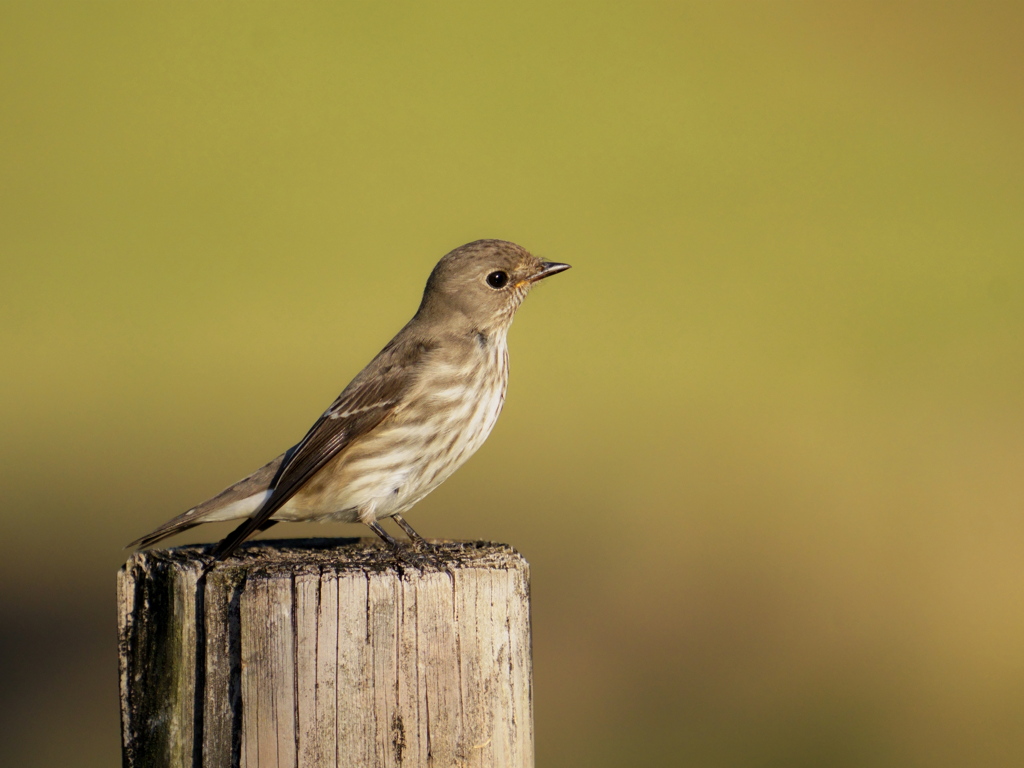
(763,445)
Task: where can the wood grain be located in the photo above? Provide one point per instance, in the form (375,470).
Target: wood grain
(331,652)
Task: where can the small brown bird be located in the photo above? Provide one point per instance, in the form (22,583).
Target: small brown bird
(411,417)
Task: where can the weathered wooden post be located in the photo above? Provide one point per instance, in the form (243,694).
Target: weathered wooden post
(326,652)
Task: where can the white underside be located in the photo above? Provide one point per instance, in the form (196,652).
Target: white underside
(238,509)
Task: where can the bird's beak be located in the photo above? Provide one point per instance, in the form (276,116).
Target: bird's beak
(547,269)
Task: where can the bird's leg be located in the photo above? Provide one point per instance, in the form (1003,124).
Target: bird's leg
(412,555)
(388,539)
(417,541)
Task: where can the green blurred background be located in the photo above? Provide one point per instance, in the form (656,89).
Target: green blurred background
(763,445)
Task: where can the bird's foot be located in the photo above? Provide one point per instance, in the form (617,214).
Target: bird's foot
(416,556)
(417,552)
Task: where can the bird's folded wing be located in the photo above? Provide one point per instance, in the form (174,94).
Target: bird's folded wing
(366,402)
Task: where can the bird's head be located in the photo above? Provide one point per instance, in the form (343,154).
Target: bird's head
(485,282)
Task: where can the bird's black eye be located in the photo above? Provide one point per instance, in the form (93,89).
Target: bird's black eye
(497,279)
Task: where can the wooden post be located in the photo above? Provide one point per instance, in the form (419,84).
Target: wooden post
(326,652)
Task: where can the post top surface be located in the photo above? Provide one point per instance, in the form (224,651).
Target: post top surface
(343,555)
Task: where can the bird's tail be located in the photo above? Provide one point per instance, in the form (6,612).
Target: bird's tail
(240,500)
(181,523)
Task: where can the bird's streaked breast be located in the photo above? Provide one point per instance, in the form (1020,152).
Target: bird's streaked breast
(444,421)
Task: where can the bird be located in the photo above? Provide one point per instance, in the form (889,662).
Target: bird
(406,422)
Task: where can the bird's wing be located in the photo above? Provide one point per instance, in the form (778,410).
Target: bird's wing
(366,402)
